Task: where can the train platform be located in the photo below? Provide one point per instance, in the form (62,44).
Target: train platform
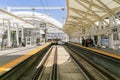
(108,50)
(104,51)
(7,56)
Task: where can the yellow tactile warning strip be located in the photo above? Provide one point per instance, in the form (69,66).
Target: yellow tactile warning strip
(11,64)
(101,52)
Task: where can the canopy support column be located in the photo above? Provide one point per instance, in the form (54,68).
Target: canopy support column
(99,40)
(17,33)
(22,34)
(111,35)
(8,33)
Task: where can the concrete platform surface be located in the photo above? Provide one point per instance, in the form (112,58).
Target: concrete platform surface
(109,50)
(7,56)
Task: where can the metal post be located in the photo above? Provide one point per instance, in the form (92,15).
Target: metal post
(22,34)
(30,40)
(45,32)
(33,9)
(63,14)
(26,40)
(17,34)
(40,34)
(100,25)
(9,34)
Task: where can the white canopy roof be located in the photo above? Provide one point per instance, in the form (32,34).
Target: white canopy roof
(4,15)
(38,17)
(81,13)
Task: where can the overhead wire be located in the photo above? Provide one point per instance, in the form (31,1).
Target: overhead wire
(45,2)
(43,5)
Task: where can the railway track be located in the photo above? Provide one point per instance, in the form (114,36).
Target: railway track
(51,67)
(62,63)
(67,68)
(93,71)
(47,68)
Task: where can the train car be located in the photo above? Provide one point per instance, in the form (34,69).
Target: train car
(55,41)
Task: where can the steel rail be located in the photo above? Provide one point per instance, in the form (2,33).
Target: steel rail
(40,67)
(88,74)
(54,70)
(100,69)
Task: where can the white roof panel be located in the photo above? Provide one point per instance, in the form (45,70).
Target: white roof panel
(4,15)
(89,11)
(39,16)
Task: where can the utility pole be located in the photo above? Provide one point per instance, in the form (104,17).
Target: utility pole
(33,9)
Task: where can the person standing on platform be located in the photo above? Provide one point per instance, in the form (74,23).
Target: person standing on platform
(83,42)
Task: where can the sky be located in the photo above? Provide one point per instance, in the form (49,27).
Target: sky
(57,14)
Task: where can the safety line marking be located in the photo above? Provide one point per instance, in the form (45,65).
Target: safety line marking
(101,52)
(13,63)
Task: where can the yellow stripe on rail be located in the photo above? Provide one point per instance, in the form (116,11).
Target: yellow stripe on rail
(11,64)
